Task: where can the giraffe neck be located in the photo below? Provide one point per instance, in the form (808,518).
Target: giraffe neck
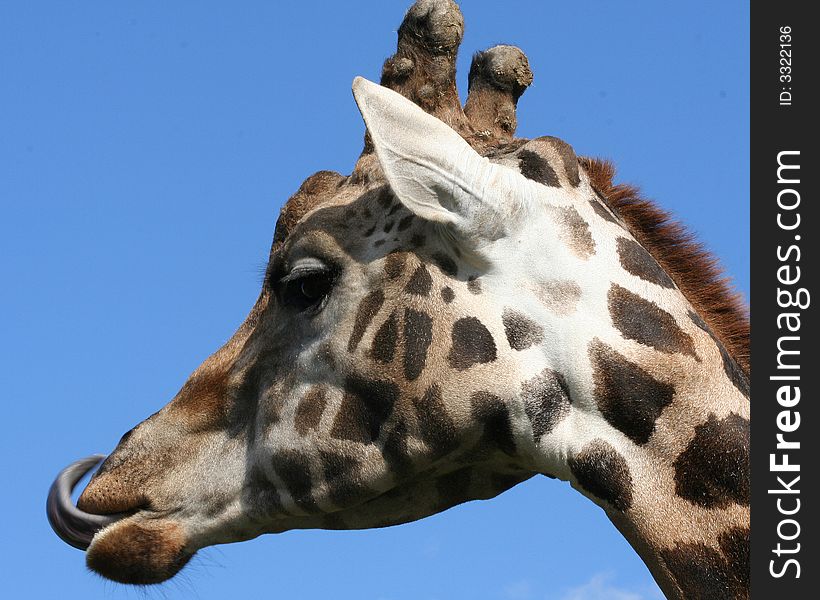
(688,517)
(676,485)
(710,558)
(627,393)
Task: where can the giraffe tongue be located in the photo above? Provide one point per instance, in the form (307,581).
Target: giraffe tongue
(74,526)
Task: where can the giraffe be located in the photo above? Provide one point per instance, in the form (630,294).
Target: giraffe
(464,311)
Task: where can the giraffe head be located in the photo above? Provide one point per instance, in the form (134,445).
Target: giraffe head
(432,329)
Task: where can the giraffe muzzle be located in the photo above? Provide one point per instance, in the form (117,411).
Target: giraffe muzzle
(72,525)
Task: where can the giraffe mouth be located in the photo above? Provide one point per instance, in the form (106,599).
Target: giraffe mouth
(74,526)
(139,551)
(123,546)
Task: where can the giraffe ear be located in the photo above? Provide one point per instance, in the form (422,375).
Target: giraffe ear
(431,168)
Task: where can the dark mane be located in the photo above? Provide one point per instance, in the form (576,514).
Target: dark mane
(693,268)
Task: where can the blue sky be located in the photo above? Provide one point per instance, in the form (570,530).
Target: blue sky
(145,151)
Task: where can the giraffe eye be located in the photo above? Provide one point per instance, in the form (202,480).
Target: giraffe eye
(314,288)
(306,289)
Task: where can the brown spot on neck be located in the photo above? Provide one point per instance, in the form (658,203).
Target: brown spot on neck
(522,332)
(702,572)
(559,296)
(689,264)
(714,470)
(574,231)
(629,398)
(640,263)
(645,322)
(603,472)
(546,401)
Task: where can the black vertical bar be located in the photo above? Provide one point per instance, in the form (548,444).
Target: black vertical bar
(784,172)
